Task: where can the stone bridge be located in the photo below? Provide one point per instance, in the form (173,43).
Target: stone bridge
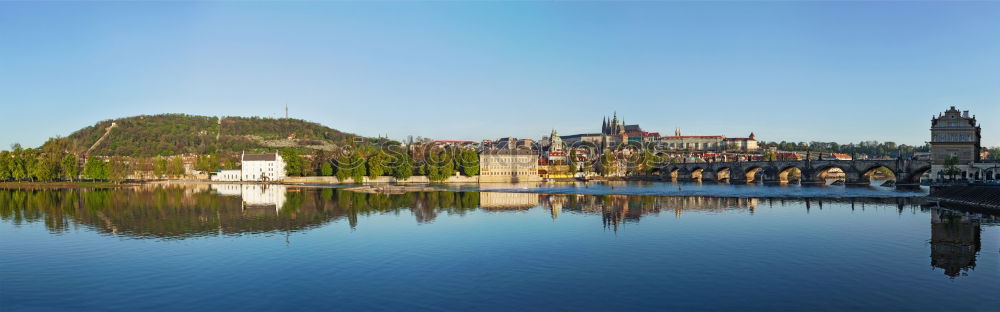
(857,172)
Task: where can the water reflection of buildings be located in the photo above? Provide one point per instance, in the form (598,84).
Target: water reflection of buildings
(507,201)
(615,210)
(955,242)
(257,198)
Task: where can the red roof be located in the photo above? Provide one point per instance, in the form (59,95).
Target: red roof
(841,156)
(643,134)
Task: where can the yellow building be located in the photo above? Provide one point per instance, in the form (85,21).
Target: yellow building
(508,165)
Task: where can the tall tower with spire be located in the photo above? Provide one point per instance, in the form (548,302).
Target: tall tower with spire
(555,142)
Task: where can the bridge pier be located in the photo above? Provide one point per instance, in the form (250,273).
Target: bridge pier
(772,181)
(684,177)
(808,177)
(857,182)
(708,175)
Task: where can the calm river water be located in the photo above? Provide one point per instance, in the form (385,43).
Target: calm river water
(608,247)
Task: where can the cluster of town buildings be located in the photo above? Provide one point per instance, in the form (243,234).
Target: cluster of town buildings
(550,156)
(954,134)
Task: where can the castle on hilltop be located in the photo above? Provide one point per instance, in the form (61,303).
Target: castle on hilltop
(615,131)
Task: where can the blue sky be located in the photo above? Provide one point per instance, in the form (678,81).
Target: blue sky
(826,71)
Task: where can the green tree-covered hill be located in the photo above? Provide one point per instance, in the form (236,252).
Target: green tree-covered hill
(173,134)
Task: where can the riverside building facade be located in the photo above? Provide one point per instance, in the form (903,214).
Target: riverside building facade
(255,168)
(508,165)
(956,135)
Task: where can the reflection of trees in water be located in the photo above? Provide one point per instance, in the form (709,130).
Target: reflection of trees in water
(955,242)
(177,212)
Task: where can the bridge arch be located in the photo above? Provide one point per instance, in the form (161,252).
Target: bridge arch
(868,172)
(656,172)
(821,173)
(696,173)
(673,173)
(723,173)
(753,173)
(789,174)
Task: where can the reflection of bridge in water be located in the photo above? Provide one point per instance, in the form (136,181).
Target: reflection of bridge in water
(859,172)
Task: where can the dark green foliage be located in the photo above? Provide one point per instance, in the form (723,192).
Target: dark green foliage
(358,173)
(18,164)
(294,165)
(871,148)
(27,162)
(160,166)
(70,167)
(770,156)
(606,162)
(403,168)
(469,162)
(175,134)
(319,158)
(176,166)
(647,161)
(344,168)
(950,168)
(440,166)
(6,162)
(46,169)
(95,169)
(377,164)
(207,163)
(118,169)
(326,169)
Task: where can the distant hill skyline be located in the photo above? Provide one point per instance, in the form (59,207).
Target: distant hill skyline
(174,134)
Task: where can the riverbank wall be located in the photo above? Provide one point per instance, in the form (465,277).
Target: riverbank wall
(980,196)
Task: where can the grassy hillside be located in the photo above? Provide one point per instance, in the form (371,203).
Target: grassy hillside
(173,134)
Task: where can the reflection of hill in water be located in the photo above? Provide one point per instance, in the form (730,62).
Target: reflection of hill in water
(180,212)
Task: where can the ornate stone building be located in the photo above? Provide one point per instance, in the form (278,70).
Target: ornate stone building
(508,165)
(956,134)
(613,133)
(713,143)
